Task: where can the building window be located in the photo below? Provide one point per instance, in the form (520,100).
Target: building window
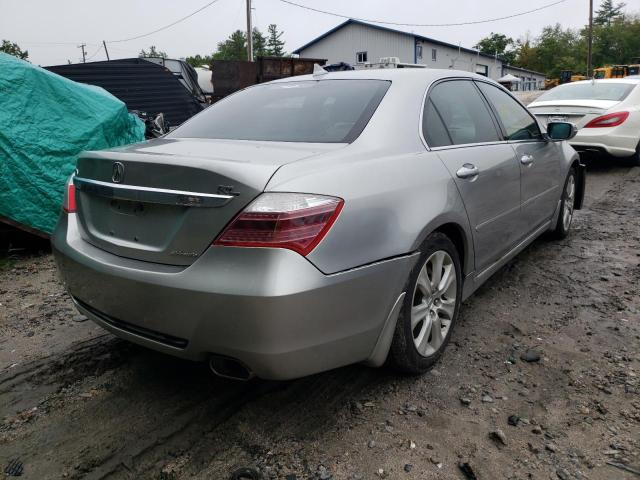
(482,69)
(361,57)
(434,54)
(418,51)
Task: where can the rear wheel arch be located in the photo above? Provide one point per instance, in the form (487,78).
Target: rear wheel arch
(428,305)
(456,234)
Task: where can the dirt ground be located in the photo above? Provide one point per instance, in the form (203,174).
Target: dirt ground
(76,402)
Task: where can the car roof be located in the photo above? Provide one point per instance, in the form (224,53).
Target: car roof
(408,75)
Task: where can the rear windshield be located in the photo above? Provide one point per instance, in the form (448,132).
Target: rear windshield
(589,91)
(327,111)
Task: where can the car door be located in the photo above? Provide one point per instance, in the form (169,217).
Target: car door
(538,158)
(458,125)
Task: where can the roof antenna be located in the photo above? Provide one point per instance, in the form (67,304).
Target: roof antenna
(318,71)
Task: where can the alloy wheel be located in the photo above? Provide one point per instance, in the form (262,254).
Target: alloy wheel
(434,303)
(569,198)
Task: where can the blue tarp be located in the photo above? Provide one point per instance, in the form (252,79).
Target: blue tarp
(45,121)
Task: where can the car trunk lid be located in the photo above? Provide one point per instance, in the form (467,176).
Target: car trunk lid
(579,112)
(165,201)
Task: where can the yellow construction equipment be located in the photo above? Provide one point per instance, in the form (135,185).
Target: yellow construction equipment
(617,71)
(566,76)
(609,71)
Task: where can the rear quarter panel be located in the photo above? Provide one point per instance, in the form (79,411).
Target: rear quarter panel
(392,202)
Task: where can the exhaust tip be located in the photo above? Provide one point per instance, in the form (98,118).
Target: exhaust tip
(226,367)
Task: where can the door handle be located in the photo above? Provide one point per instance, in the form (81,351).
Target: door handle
(526,159)
(467,170)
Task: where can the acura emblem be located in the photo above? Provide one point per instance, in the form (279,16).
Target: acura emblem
(118,172)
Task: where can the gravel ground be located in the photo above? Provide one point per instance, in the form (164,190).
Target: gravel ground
(528,96)
(76,402)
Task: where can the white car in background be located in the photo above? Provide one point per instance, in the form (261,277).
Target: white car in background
(606,112)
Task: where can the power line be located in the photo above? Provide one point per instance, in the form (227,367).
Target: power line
(423,24)
(55,43)
(94,53)
(166,26)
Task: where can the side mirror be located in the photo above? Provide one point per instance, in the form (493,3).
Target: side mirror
(561,130)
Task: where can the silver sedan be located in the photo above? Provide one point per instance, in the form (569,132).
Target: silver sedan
(316,221)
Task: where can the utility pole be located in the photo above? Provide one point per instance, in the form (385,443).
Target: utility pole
(105,49)
(249,33)
(84,55)
(590,47)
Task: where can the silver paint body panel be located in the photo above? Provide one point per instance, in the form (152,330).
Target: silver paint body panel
(281,314)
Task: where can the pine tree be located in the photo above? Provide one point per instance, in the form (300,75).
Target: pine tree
(233,48)
(259,44)
(153,52)
(608,12)
(275,46)
(13,49)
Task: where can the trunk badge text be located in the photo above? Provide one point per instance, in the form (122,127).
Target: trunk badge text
(182,253)
(117,174)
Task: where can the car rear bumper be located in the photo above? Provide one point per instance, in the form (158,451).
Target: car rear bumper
(613,141)
(270,309)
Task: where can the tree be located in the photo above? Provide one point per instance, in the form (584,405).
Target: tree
(259,44)
(13,49)
(617,43)
(557,49)
(608,12)
(275,46)
(233,48)
(152,53)
(526,53)
(498,44)
(199,60)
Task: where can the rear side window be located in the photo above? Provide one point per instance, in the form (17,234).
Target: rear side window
(462,111)
(325,111)
(435,133)
(517,122)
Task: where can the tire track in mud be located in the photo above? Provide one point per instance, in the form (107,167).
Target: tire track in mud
(86,379)
(198,407)
(51,367)
(306,406)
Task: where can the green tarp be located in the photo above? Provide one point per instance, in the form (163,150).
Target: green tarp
(45,121)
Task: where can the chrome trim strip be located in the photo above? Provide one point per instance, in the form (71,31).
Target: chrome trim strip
(566,114)
(468,145)
(151,195)
(541,194)
(497,217)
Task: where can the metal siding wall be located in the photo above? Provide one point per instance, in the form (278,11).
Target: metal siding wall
(539,79)
(449,58)
(342,45)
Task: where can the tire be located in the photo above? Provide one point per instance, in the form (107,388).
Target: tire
(567,204)
(415,348)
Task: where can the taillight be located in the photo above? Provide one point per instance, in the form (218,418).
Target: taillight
(69,205)
(609,120)
(296,221)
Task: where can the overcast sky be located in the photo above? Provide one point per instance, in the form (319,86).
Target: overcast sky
(37,25)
